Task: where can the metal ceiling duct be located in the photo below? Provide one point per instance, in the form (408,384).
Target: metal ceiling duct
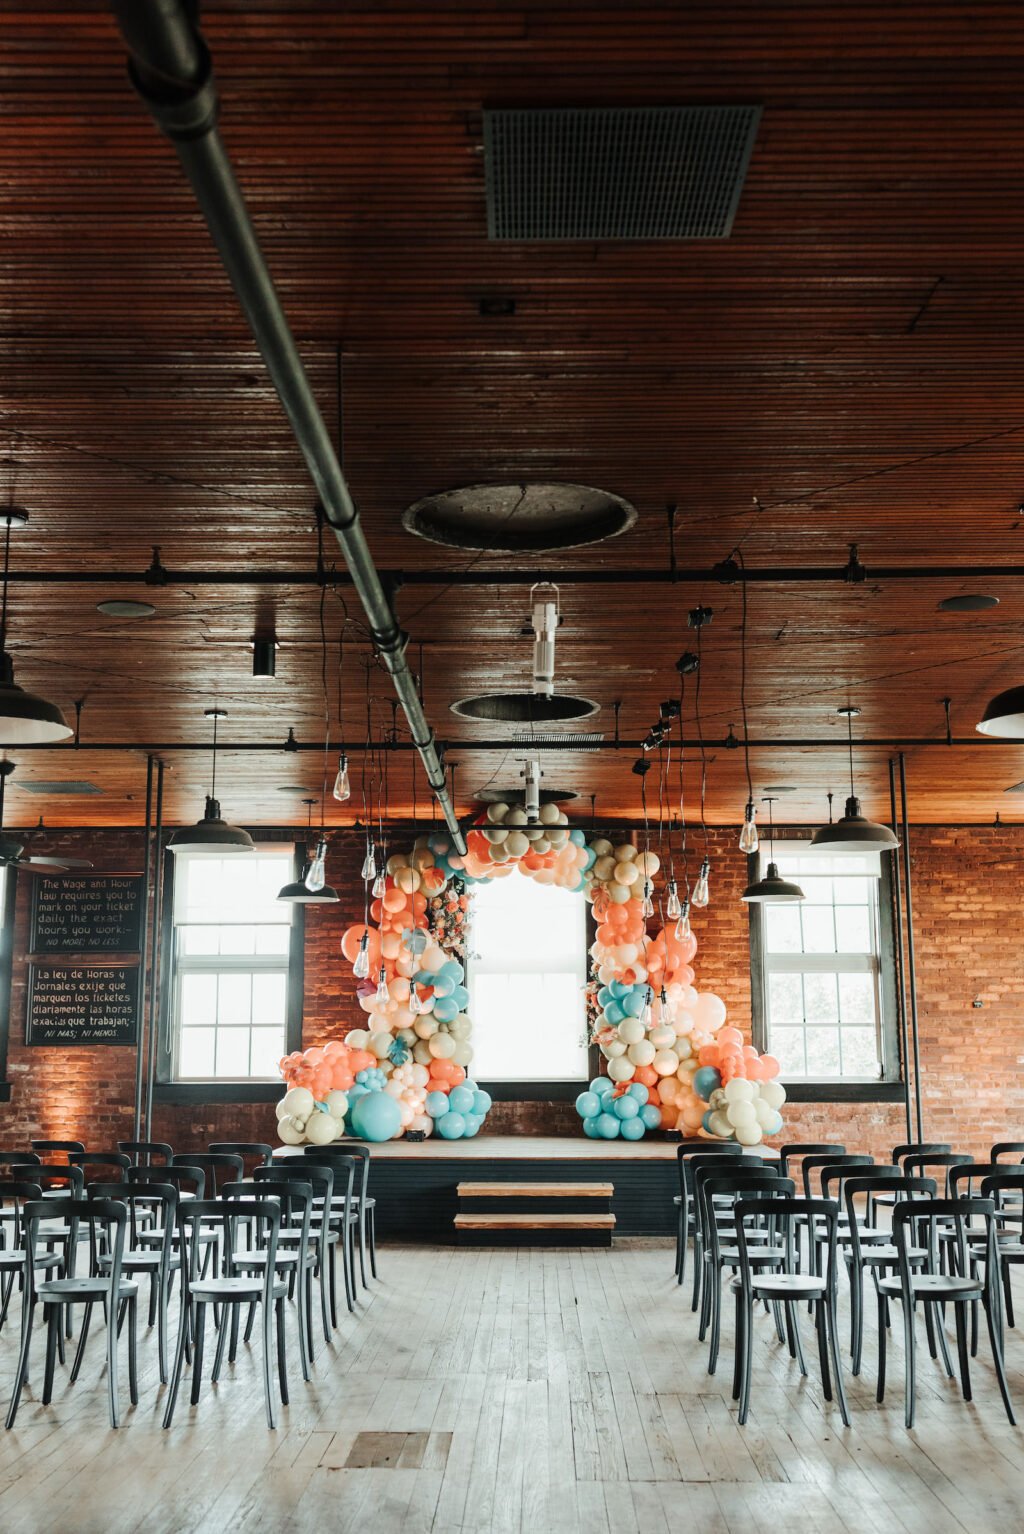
(170,68)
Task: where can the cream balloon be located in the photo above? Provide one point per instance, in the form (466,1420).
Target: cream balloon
(379,1044)
(297,1104)
(321,1129)
(337,1105)
(618,894)
(625,853)
(620,1070)
(773,1093)
(663,1037)
(739,1090)
(288,1131)
(496,813)
(548,815)
(740,1114)
(626,873)
(642,1053)
(631,1030)
(750,1134)
(442,1046)
(613,1049)
(666,1062)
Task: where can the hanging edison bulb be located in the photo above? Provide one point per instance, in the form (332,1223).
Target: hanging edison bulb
(383,994)
(415,1005)
(646,1016)
(683,924)
(378,885)
(668,1008)
(342,787)
(701,893)
(748,835)
(672,906)
(648,905)
(369,867)
(316,878)
(361,967)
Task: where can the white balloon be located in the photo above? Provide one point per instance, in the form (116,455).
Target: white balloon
(666,1062)
(642,1053)
(750,1134)
(620,1070)
(613,1049)
(663,1037)
(357,1039)
(738,1090)
(321,1129)
(288,1132)
(298,1103)
(773,1093)
(740,1113)
(631,1030)
(379,1044)
(337,1105)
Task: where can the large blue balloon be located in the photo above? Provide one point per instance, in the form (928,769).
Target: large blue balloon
(619,988)
(633,1004)
(588,1105)
(451,1127)
(613,1013)
(460,1100)
(604,996)
(651,1116)
(602,1086)
(444,985)
(481,1100)
(452,970)
(460,996)
(436,1104)
(632,1129)
(576,836)
(473,1123)
(639,1091)
(446,1009)
(706,1081)
(608,1125)
(590,1128)
(375,1116)
(625,1107)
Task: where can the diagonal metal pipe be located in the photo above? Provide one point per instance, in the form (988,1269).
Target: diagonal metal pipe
(171,70)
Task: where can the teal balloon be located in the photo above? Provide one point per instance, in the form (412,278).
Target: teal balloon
(577,837)
(706,1123)
(632,1005)
(639,1091)
(608,1125)
(604,996)
(356,1090)
(471,1085)
(451,1127)
(591,859)
(444,985)
(445,1009)
(601,1085)
(613,1013)
(625,1107)
(452,970)
(651,1116)
(460,1100)
(775,1124)
(706,1081)
(436,1103)
(588,1105)
(619,988)
(460,996)
(590,1128)
(481,1100)
(472,1125)
(633,1129)
(424,977)
(375,1116)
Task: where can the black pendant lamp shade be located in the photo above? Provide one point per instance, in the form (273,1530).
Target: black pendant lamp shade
(853,832)
(212,836)
(1004,715)
(25,719)
(297,892)
(773,889)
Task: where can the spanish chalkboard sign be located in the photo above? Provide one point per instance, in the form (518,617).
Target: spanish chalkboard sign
(86,913)
(82,1004)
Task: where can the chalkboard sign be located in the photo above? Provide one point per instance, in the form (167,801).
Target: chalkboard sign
(86,913)
(82,1005)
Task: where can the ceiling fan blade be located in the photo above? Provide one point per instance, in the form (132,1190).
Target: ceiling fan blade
(40,865)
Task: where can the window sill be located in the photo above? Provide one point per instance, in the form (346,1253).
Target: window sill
(188,1092)
(845,1091)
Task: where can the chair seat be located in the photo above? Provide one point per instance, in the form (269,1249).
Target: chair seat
(783,1286)
(731,1254)
(149,1261)
(937,1286)
(257,1261)
(888,1254)
(74,1290)
(220,1289)
(12,1258)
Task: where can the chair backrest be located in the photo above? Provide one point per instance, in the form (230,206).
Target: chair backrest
(919,1163)
(865,1182)
(342,1165)
(960,1179)
(938,1146)
(686,1152)
(255,1222)
(318,1175)
(137,1149)
(750,1182)
(105,1217)
(784,1216)
(212,1163)
(797,1152)
(996,1186)
(247,1149)
(19,1158)
(1008,1148)
(148,1199)
(294,1197)
(833,1178)
(812,1165)
(179,1175)
(917,1223)
(109,1160)
(46,1147)
(704,1168)
(15,1192)
(53,1175)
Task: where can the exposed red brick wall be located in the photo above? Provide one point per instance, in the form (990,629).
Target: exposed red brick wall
(968,946)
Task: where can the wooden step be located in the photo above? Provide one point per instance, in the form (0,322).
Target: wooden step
(535,1189)
(547,1222)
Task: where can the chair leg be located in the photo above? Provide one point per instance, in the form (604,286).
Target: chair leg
(819,1327)
(371,1224)
(328,1257)
(837,1370)
(856,1315)
(53,1324)
(940,1336)
(678,1269)
(115,1420)
(796,1347)
(307,1351)
(698,1266)
(780,1330)
(883,1327)
(963,1352)
(748,1359)
(997,1358)
(222,1340)
(737,1366)
(910,1349)
(268,1343)
(133,1337)
(198,1341)
(362,1245)
(179,1363)
(161,1326)
(345,1245)
(716,1320)
(82,1339)
(282,1357)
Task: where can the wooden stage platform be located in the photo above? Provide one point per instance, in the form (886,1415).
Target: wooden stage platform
(415,1184)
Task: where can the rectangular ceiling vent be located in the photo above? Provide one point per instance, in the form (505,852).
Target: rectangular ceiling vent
(72,786)
(1014,788)
(616,173)
(579,741)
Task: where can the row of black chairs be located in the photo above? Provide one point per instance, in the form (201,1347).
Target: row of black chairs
(192,1223)
(924,1245)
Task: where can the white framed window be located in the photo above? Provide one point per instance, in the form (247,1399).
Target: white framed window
(819,988)
(527,977)
(232,946)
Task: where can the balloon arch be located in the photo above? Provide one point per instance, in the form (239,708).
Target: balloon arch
(670,1061)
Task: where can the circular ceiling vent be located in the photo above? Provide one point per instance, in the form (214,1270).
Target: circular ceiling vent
(519,519)
(518,795)
(974,602)
(523,708)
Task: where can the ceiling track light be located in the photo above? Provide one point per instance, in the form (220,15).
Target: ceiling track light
(25,719)
(773,889)
(212,836)
(853,832)
(264,657)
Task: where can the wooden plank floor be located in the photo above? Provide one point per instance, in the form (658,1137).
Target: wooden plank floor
(533,1390)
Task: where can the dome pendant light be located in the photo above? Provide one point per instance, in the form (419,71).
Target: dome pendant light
(25,719)
(212,837)
(297,892)
(1004,715)
(773,889)
(853,832)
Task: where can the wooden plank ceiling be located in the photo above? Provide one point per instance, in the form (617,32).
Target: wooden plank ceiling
(851,357)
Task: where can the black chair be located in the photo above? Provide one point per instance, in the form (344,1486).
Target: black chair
(247,1149)
(56,1147)
(690,1211)
(152,1213)
(878,1257)
(344,1216)
(1009,1243)
(321,1180)
(788,1153)
(137,1149)
(109,1161)
(684,1216)
(918,1223)
(1007,1148)
(213,1163)
(105,1220)
(900,1152)
(928,1163)
(786,1286)
(261,1218)
(367,1206)
(14,1194)
(296,1258)
(716,1189)
(19,1158)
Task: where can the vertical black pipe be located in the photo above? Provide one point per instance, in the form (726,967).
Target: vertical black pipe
(901,977)
(158,929)
(140,1013)
(912,973)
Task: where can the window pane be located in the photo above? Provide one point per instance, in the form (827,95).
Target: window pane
(788,1048)
(853,929)
(819,928)
(821,999)
(857,1000)
(232,1052)
(234,999)
(782,928)
(272,940)
(785,999)
(267,1050)
(238,940)
(268,999)
(196,1052)
(200,940)
(823,1058)
(860,1053)
(198,1000)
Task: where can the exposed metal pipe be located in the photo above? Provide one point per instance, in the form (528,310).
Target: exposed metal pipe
(912,972)
(158,952)
(523,744)
(140,1011)
(171,70)
(901,975)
